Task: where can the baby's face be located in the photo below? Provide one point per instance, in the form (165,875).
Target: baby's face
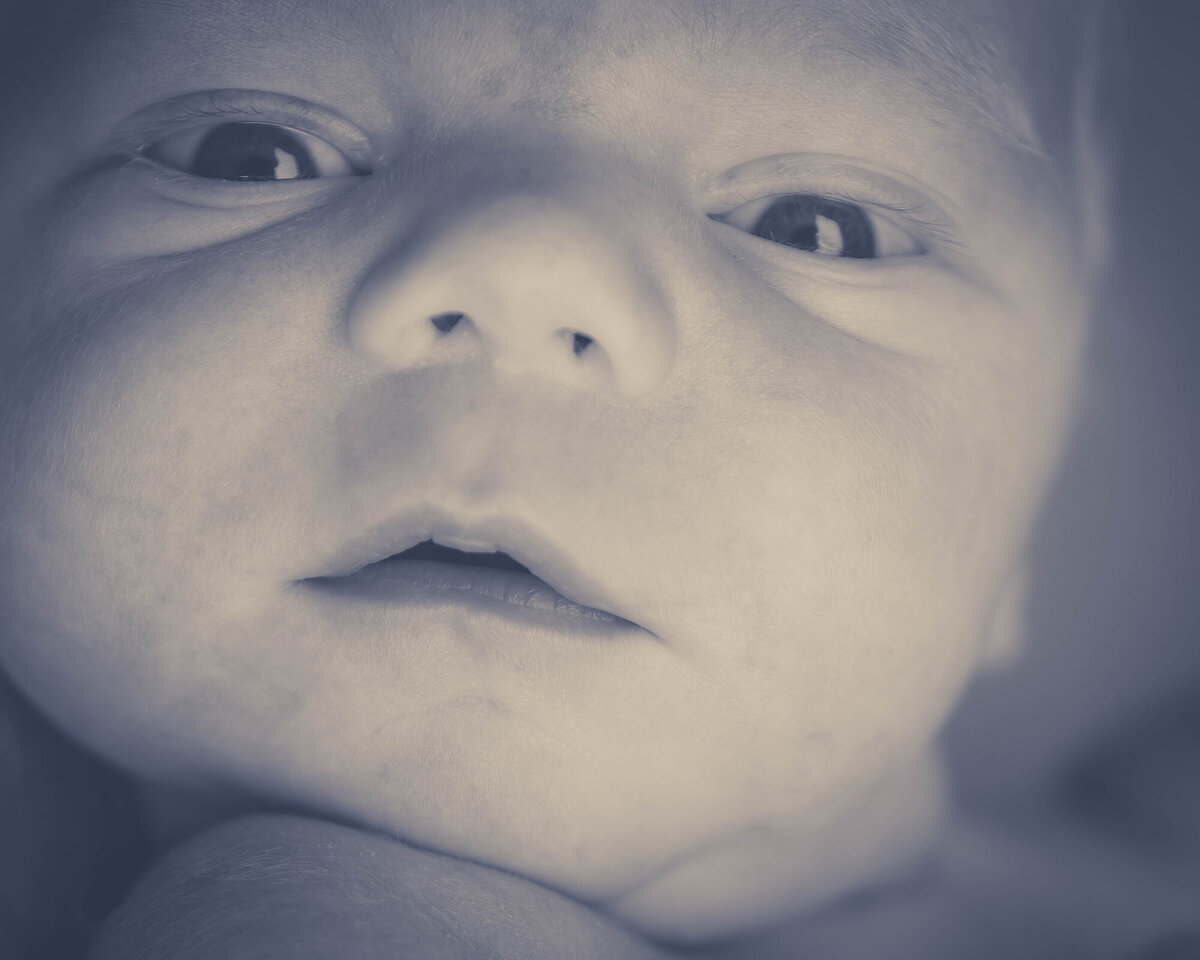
(766,346)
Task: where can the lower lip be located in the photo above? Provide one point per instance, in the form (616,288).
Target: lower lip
(487,589)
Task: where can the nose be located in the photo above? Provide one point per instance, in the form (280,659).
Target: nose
(545,287)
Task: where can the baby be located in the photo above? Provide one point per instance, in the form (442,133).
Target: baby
(594,443)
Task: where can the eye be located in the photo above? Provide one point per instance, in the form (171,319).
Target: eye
(822,225)
(250,151)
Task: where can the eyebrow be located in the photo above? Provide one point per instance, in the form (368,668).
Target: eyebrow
(956,63)
(950,54)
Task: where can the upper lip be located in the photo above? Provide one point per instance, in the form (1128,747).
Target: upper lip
(485,534)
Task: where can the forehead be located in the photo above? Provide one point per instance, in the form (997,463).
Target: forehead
(968,60)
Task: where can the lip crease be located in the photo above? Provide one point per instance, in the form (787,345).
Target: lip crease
(369,566)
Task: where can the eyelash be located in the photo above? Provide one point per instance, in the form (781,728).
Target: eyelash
(190,112)
(310,120)
(937,232)
(919,217)
(917,220)
(826,226)
(250,151)
(908,204)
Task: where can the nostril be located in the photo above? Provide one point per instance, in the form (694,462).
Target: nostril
(580,342)
(445,322)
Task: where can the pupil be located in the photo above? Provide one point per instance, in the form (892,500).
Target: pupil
(251,151)
(792,221)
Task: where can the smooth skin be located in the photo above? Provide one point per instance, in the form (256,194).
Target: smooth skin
(810,479)
(266,887)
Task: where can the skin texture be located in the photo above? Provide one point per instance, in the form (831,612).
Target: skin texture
(269,886)
(809,480)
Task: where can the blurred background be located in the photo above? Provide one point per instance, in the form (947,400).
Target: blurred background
(1102,715)
(1111,680)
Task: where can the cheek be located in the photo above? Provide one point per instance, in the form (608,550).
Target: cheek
(163,388)
(880,571)
(858,515)
(138,444)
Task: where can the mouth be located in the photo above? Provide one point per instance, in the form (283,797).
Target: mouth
(456,568)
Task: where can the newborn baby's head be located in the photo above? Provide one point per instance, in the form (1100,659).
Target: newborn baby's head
(598,439)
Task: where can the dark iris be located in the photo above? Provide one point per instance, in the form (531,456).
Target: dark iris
(792,220)
(247,151)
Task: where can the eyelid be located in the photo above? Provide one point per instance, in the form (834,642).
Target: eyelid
(173,149)
(837,178)
(885,227)
(141,129)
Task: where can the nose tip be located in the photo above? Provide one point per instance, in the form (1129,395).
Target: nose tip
(542,286)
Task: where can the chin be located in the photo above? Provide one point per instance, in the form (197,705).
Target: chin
(776,876)
(768,872)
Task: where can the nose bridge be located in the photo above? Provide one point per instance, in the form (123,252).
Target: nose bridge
(544,283)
